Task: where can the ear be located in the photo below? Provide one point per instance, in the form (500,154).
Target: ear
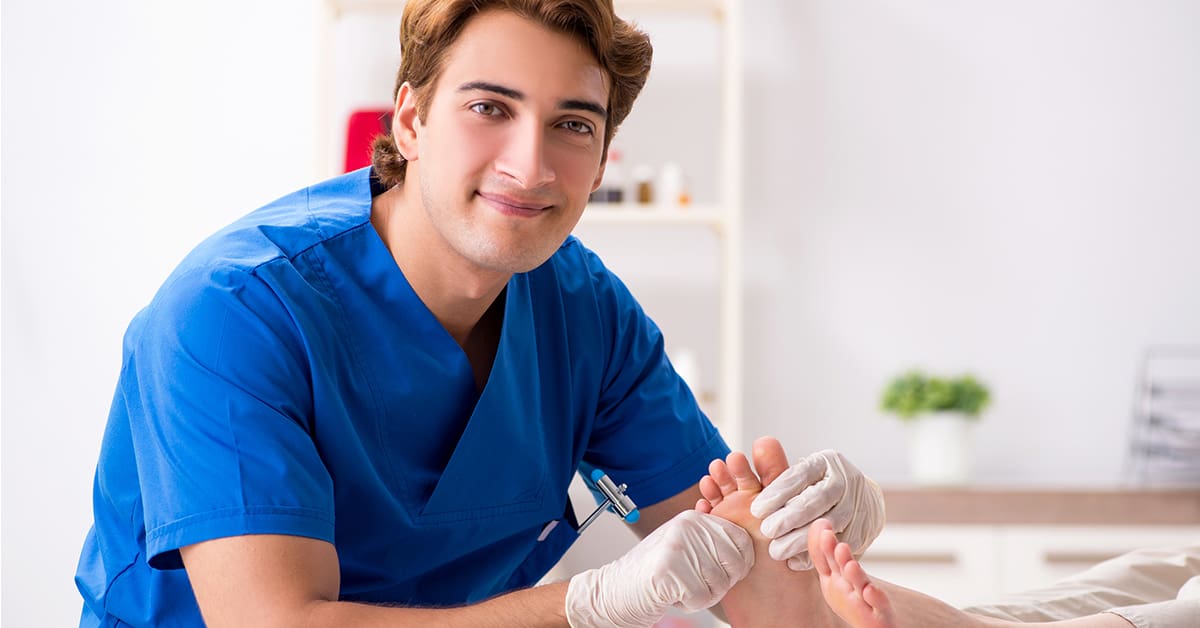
(600,172)
(405,122)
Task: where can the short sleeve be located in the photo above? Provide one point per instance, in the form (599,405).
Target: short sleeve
(219,400)
(649,431)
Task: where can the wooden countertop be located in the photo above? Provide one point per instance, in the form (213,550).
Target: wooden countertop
(1042,506)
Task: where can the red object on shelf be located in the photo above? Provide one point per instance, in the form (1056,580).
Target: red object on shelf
(364,126)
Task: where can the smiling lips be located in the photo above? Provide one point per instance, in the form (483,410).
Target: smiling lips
(513,205)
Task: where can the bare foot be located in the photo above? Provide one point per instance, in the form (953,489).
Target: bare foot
(728,489)
(846,587)
(866,602)
(772,595)
(733,480)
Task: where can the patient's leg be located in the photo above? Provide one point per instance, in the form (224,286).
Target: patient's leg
(870,603)
(772,595)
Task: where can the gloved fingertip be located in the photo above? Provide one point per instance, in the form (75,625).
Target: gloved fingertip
(779,523)
(777,550)
(758,508)
(767,501)
(800,563)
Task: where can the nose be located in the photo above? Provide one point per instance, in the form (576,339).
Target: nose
(524,158)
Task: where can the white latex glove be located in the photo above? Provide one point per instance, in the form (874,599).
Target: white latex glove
(689,563)
(826,485)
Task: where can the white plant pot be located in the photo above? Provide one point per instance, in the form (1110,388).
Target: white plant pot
(940,449)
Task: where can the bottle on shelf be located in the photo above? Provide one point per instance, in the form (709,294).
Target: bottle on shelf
(612,186)
(672,185)
(643,184)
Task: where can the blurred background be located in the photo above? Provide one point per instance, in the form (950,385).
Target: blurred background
(1008,189)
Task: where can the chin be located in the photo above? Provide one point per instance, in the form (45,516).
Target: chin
(517,261)
(525,264)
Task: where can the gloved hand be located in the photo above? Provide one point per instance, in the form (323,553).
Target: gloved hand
(689,562)
(823,484)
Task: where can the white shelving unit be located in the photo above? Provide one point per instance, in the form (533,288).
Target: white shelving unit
(723,216)
(978,564)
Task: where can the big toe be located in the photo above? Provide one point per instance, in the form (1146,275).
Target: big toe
(769,459)
(816,550)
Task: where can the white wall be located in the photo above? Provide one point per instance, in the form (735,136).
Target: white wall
(1009,187)
(1003,186)
(131,129)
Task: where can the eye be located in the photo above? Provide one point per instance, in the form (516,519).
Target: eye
(578,126)
(486,109)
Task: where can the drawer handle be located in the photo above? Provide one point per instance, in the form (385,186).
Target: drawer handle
(937,558)
(1078,558)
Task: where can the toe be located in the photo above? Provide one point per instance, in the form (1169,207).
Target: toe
(769,459)
(720,474)
(820,552)
(817,555)
(842,554)
(855,574)
(743,475)
(877,599)
(828,544)
(711,492)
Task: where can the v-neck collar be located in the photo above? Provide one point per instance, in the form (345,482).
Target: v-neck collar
(505,416)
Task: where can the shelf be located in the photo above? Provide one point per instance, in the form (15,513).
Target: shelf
(625,213)
(622,6)
(678,6)
(998,505)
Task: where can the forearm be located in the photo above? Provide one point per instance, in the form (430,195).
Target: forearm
(536,607)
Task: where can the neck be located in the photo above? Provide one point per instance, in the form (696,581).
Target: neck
(457,292)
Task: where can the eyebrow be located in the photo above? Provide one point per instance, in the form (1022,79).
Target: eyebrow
(508,92)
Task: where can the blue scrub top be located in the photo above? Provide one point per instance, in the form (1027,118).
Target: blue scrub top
(286,379)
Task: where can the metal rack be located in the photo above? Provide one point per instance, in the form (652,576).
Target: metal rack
(1164,439)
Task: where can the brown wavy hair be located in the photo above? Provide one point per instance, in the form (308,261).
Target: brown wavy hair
(430,27)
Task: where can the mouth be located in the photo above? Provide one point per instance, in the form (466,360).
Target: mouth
(514,205)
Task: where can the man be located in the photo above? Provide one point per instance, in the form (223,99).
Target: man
(363,403)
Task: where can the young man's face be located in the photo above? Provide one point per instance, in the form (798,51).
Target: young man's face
(512,142)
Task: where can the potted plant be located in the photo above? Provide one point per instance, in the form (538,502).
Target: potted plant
(941,412)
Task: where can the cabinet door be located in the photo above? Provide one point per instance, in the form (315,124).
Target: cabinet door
(956,564)
(1036,556)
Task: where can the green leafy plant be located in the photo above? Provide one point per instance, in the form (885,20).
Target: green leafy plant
(914,393)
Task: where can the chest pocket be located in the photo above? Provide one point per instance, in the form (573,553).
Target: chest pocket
(549,547)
